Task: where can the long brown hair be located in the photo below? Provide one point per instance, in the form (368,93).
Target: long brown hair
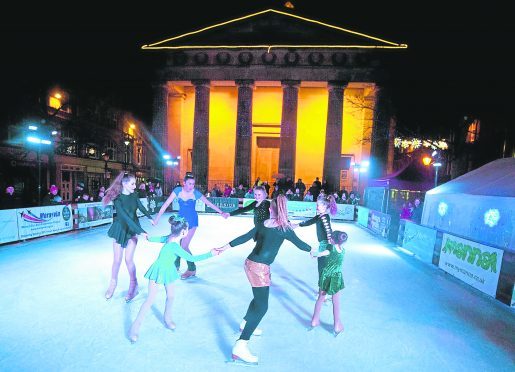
(280,208)
(116,187)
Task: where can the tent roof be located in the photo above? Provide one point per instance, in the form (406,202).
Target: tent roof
(496,178)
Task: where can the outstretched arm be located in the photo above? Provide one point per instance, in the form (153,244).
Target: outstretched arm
(164,207)
(311,221)
(292,237)
(247,208)
(158,239)
(243,238)
(191,258)
(207,202)
(145,211)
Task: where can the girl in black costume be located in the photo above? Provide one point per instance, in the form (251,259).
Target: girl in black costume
(124,230)
(269,238)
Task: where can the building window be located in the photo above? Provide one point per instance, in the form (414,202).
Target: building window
(110,147)
(473,132)
(91,152)
(58,104)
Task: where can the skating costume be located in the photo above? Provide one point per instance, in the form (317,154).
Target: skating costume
(331,278)
(257,268)
(162,270)
(261,214)
(324,233)
(187,210)
(187,207)
(261,211)
(126,223)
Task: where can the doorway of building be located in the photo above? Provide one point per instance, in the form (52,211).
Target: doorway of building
(267,158)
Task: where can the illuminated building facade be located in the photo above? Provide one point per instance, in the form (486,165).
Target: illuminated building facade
(272,94)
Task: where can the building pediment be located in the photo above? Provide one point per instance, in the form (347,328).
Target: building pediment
(273,29)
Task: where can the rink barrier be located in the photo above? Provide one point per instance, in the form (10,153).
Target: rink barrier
(487,268)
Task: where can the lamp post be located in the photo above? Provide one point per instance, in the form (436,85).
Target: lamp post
(126,141)
(433,160)
(33,138)
(360,168)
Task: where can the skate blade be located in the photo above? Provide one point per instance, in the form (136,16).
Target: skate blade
(311,328)
(235,361)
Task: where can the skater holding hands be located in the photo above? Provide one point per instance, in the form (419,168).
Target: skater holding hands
(124,229)
(330,281)
(163,271)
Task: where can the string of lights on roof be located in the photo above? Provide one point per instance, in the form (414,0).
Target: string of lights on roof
(416,143)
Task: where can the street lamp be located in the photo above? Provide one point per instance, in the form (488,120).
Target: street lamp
(171,162)
(360,168)
(33,138)
(433,160)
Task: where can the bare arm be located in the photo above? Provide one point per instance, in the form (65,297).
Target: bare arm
(207,202)
(164,206)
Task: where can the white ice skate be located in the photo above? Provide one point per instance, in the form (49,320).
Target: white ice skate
(241,353)
(257,331)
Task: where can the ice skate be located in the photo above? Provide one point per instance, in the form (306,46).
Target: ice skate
(132,292)
(188,274)
(312,326)
(241,354)
(337,331)
(257,331)
(110,290)
(170,325)
(133,336)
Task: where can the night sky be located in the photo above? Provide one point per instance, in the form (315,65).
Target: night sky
(457,62)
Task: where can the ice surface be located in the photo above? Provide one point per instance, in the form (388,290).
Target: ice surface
(400,314)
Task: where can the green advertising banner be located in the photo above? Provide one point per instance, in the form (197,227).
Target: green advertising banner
(225,204)
(476,264)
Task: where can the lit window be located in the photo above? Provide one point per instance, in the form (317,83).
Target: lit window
(473,132)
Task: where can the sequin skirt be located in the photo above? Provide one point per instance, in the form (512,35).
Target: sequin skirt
(257,273)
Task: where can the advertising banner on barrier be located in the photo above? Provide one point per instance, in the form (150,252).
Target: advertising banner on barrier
(94,214)
(379,223)
(476,264)
(247,202)
(152,205)
(345,212)
(363,216)
(8,226)
(225,204)
(39,221)
(419,240)
(302,209)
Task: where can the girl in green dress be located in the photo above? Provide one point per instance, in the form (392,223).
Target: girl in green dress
(331,280)
(124,230)
(163,271)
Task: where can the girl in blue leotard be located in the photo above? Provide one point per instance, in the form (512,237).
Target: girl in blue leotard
(187,196)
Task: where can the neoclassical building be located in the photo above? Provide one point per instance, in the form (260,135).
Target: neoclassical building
(272,93)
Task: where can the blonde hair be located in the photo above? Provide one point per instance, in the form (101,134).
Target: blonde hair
(116,187)
(280,208)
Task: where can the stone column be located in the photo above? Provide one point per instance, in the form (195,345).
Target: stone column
(200,156)
(333,135)
(160,131)
(243,150)
(287,150)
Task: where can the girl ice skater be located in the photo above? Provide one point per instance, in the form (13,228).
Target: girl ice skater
(269,238)
(331,281)
(325,206)
(260,207)
(124,230)
(164,272)
(188,197)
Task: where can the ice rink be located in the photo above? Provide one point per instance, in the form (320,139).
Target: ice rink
(400,314)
